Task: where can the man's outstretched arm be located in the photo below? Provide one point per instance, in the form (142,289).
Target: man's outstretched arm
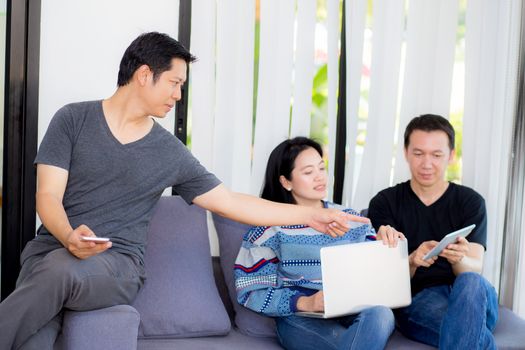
(260,212)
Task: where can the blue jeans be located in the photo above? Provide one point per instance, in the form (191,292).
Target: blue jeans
(368,330)
(461,316)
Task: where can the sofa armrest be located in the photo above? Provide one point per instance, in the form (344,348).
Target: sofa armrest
(510,330)
(113,328)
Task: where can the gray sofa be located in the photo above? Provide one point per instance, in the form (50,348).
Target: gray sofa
(188,299)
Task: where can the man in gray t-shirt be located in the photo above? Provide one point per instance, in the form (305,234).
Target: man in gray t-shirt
(113,186)
(101,168)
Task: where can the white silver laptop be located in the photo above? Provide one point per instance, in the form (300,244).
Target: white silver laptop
(361,275)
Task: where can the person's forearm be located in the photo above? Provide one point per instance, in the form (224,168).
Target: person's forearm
(472,261)
(468,264)
(252,210)
(256,211)
(412,266)
(53,216)
(412,271)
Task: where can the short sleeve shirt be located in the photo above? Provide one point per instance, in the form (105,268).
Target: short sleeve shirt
(113,187)
(458,207)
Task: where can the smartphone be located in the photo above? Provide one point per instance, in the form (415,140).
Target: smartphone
(95,239)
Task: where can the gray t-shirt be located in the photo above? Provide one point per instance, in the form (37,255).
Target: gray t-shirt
(112,188)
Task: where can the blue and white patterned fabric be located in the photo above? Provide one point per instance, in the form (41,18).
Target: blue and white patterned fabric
(278,264)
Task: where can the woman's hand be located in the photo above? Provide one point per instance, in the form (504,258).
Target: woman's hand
(389,235)
(313,303)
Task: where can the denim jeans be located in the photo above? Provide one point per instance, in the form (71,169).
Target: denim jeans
(368,330)
(461,316)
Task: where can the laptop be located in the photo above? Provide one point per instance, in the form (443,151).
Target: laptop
(360,275)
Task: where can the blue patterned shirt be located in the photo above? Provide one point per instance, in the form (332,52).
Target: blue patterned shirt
(278,264)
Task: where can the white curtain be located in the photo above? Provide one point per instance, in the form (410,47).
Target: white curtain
(304,68)
(411,74)
(222,83)
(275,83)
(424,87)
(355,28)
(411,71)
(202,80)
(333,30)
(233,95)
(427,82)
(492,46)
(519,294)
(376,162)
(222,88)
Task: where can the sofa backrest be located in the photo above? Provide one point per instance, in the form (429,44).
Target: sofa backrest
(179,298)
(230,235)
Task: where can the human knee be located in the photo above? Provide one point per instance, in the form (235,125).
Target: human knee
(472,282)
(382,316)
(469,278)
(58,266)
(475,290)
(471,287)
(296,332)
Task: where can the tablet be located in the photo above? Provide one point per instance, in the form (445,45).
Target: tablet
(450,238)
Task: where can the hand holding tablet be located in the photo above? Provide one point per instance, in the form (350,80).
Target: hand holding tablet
(448,239)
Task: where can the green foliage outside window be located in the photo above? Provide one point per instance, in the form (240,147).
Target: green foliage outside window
(319,120)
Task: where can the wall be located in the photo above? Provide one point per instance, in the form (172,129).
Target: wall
(82,43)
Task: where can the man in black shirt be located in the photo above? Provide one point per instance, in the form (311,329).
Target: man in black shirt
(453,306)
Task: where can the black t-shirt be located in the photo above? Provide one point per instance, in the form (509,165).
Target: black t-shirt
(458,207)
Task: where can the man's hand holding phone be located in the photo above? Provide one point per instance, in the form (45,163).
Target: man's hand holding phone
(83,243)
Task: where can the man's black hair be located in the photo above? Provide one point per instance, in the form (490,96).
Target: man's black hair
(156,50)
(428,123)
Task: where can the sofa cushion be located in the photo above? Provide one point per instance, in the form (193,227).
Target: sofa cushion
(112,328)
(179,297)
(235,340)
(230,235)
(510,330)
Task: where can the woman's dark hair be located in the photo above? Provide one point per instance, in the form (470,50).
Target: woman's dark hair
(428,123)
(282,162)
(156,50)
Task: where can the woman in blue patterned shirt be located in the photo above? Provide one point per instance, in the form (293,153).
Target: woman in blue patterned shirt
(278,272)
